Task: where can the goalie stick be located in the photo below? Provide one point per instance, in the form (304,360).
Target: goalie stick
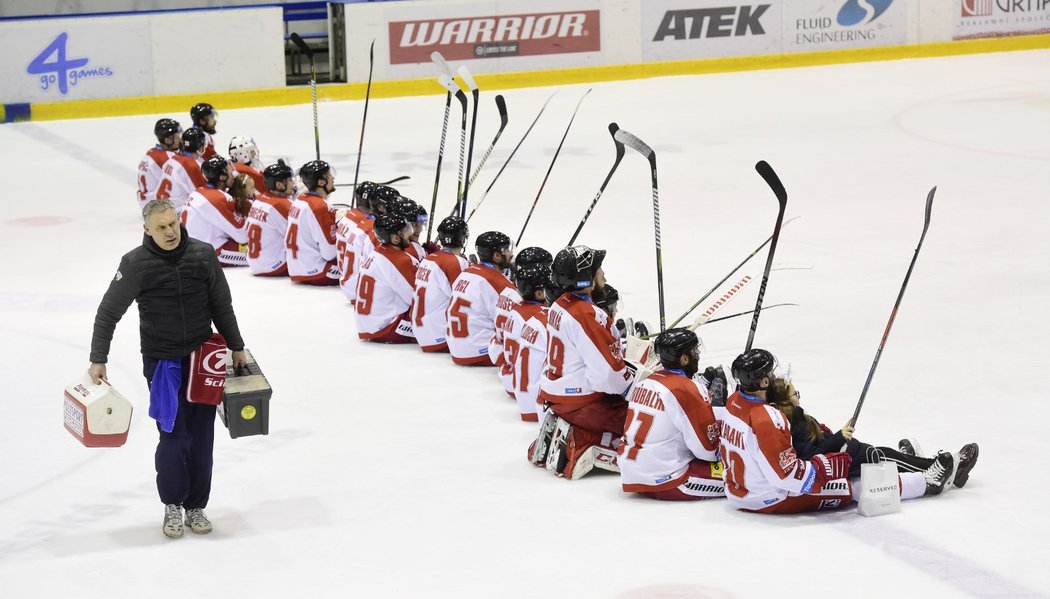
(774,183)
(301,44)
(464,74)
(364,118)
(726,278)
(512,153)
(440,61)
(550,168)
(893,313)
(613,128)
(644,149)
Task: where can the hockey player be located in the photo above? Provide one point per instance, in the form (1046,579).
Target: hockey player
(151,167)
(204,117)
(586,376)
(310,241)
(355,237)
(525,336)
(670,445)
(472,307)
(182,172)
(433,285)
(763,473)
(810,437)
(417,217)
(268,222)
(244,155)
(509,298)
(384,291)
(211,217)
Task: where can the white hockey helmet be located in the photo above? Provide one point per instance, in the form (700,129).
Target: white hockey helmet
(244,151)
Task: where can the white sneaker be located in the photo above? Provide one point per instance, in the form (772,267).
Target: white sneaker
(197,521)
(172,521)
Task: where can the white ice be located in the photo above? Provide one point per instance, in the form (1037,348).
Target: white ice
(388,473)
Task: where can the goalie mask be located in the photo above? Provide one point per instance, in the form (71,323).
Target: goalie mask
(576,267)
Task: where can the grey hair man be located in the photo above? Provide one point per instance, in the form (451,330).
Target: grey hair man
(180,290)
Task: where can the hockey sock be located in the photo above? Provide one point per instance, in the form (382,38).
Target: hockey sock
(913,484)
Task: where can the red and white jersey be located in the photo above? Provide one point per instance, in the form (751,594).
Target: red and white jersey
(384,292)
(508,298)
(584,359)
(761,466)
(310,240)
(182,176)
(417,251)
(355,241)
(267,228)
(434,279)
(151,171)
(472,313)
(669,424)
(209,217)
(256,176)
(525,349)
(209,146)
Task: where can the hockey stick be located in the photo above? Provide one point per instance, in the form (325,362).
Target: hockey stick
(512,153)
(462,138)
(717,305)
(464,74)
(501,106)
(440,61)
(893,314)
(774,183)
(550,168)
(642,148)
(720,318)
(390,182)
(726,278)
(299,43)
(364,119)
(613,128)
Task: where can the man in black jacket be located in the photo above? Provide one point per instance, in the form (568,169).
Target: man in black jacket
(180,288)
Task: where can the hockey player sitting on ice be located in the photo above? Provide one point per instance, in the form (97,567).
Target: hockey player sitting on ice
(585,378)
(809,437)
(509,298)
(355,238)
(670,445)
(310,241)
(472,307)
(182,172)
(213,216)
(204,117)
(763,473)
(151,168)
(384,290)
(417,217)
(268,222)
(525,336)
(433,284)
(244,155)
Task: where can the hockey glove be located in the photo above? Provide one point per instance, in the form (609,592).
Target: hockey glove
(431,247)
(830,466)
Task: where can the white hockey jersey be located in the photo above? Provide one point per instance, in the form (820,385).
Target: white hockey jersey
(525,349)
(433,283)
(348,233)
(151,171)
(417,251)
(384,292)
(209,217)
(508,298)
(761,468)
(472,313)
(584,359)
(182,176)
(267,228)
(669,424)
(310,240)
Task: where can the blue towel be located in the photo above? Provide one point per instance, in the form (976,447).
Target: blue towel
(164,393)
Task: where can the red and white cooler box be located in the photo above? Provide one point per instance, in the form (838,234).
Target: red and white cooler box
(97,415)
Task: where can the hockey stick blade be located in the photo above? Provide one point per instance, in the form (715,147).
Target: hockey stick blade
(501,106)
(467,78)
(439,60)
(301,44)
(769,307)
(620,150)
(772,180)
(634,143)
(449,84)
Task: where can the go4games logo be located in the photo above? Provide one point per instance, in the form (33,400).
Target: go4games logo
(56,69)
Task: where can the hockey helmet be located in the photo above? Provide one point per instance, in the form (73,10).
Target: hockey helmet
(491,242)
(214,169)
(750,367)
(165,128)
(193,140)
(453,232)
(405,208)
(575,267)
(390,224)
(533,255)
(530,278)
(361,193)
(243,150)
(380,197)
(201,111)
(672,344)
(312,172)
(276,173)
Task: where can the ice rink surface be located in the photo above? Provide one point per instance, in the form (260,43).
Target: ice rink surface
(388,473)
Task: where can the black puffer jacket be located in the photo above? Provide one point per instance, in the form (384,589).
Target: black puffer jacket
(179,292)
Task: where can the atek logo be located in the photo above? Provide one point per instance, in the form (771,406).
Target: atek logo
(858,12)
(60,70)
(977,8)
(726,21)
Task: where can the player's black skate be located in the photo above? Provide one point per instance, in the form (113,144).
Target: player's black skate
(967,458)
(910,447)
(938,474)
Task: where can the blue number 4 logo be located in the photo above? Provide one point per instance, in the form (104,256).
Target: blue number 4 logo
(57,69)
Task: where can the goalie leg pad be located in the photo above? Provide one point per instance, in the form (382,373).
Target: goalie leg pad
(541,446)
(558,453)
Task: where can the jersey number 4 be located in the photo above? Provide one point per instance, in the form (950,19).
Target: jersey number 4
(292,240)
